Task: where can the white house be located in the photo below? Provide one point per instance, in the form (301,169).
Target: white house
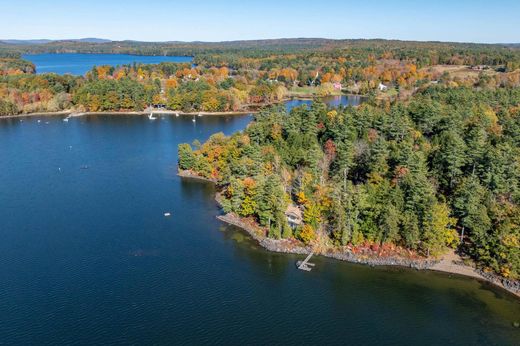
(382,87)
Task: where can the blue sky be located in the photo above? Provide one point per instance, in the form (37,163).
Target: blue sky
(189,20)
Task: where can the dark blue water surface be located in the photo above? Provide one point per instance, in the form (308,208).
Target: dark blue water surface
(88,257)
(79,64)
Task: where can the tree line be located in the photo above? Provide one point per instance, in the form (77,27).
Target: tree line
(237,76)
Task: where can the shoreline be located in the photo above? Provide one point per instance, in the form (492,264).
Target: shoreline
(449,263)
(251,109)
(73,114)
(441,265)
(190,175)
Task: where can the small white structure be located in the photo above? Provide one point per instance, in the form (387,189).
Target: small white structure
(382,87)
(294,216)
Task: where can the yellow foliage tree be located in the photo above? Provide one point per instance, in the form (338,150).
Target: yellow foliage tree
(306,234)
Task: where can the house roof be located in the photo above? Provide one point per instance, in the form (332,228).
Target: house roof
(294,211)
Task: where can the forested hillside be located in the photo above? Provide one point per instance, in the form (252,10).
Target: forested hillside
(239,76)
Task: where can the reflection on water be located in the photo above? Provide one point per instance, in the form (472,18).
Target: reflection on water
(425,301)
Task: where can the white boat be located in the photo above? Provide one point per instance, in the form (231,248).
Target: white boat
(177,114)
(151,117)
(66,119)
(200,114)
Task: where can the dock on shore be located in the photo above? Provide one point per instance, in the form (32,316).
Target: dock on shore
(305,264)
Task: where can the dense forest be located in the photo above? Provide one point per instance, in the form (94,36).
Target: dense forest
(424,175)
(426,53)
(239,76)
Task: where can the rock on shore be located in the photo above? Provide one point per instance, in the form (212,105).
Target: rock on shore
(288,246)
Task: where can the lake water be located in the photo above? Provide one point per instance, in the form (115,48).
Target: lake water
(332,101)
(88,257)
(79,64)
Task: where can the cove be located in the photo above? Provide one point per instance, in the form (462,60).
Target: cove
(88,257)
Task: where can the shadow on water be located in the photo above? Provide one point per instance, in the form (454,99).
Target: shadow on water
(428,301)
(247,249)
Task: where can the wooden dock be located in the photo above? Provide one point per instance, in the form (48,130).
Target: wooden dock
(305,264)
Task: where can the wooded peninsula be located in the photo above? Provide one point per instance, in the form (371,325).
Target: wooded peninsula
(430,161)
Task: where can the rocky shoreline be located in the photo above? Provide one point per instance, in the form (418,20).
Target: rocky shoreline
(283,245)
(287,246)
(293,247)
(509,285)
(190,175)
(381,261)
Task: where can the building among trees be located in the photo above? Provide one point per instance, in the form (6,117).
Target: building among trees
(294,216)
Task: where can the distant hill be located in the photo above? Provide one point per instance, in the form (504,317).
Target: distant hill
(44,41)
(251,48)
(92,40)
(26,42)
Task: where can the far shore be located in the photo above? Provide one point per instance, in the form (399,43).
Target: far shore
(251,109)
(73,114)
(450,263)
